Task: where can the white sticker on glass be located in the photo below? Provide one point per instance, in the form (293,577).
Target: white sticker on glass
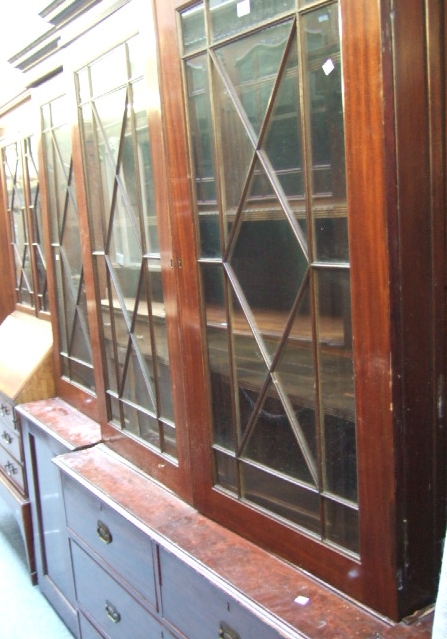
(243,8)
(328,66)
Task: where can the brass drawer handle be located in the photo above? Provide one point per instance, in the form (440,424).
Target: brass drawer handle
(225,632)
(112,612)
(7,437)
(104,532)
(10,469)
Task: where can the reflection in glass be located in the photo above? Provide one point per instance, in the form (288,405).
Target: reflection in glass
(126,253)
(193,29)
(230,17)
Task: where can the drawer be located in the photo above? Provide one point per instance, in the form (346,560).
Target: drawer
(107,603)
(116,540)
(12,469)
(10,439)
(201,610)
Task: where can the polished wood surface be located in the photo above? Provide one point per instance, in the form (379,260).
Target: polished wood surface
(26,362)
(62,421)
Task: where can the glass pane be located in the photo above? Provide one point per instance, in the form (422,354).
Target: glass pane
(229,17)
(342,525)
(295,368)
(136,57)
(226,471)
(136,385)
(251,365)
(252,66)
(124,224)
(324,78)
(32,171)
(237,149)
(265,248)
(145,174)
(59,113)
(337,383)
(70,239)
(112,65)
(45,112)
(83,78)
(218,354)
(110,111)
(193,28)
(166,405)
(200,119)
(281,497)
(169,440)
(272,442)
(283,143)
(96,198)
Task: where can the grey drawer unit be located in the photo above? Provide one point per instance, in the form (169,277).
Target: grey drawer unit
(126,549)
(114,611)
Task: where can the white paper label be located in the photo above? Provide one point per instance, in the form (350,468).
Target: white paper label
(328,66)
(243,8)
(301,600)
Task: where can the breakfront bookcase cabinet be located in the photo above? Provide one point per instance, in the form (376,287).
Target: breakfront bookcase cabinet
(243,218)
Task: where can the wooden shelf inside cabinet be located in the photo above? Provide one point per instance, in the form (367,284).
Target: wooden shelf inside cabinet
(26,374)
(209,579)
(335,352)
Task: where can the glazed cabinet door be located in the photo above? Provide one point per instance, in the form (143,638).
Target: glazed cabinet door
(125,219)
(293,443)
(71,330)
(22,205)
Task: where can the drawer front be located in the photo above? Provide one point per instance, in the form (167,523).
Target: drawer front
(123,546)
(200,610)
(12,469)
(114,611)
(10,440)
